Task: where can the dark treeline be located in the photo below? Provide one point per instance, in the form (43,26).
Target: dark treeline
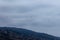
(9,33)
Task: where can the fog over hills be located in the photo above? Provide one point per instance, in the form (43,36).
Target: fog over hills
(38,15)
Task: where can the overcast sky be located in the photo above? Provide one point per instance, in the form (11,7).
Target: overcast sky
(37,15)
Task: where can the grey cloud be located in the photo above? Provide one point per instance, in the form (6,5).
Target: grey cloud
(34,9)
(26,10)
(4,20)
(22,9)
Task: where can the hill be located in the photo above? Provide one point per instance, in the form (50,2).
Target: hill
(10,33)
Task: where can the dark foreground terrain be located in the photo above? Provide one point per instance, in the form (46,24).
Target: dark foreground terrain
(9,33)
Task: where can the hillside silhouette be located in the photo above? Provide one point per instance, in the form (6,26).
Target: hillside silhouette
(11,33)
